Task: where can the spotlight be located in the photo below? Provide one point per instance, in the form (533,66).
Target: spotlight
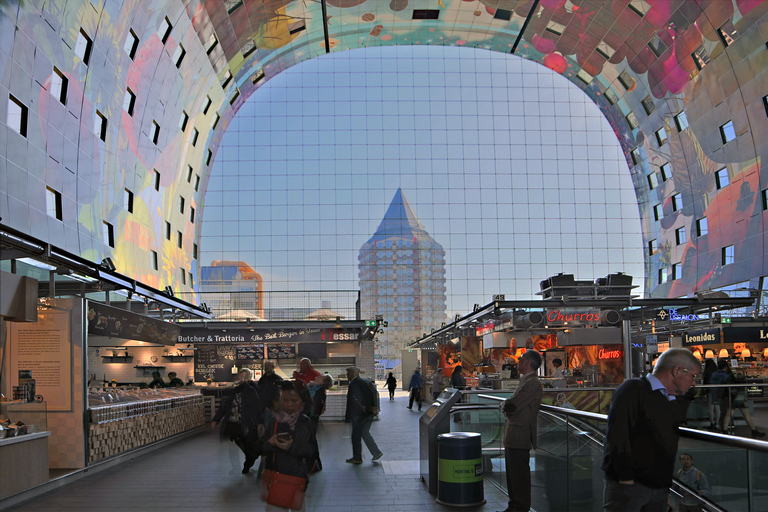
(108,265)
(168,291)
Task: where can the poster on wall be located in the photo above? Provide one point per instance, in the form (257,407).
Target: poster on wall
(449,356)
(496,357)
(43,348)
(471,352)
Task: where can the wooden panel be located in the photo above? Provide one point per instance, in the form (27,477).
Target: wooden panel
(25,465)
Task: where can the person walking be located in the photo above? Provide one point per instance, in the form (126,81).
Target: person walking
(415,388)
(457,378)
(362,406)
(269,387)
(734,398)
(520,431)
(391,383)
(290,447)
(437,383)
(241,417)
(643,433)
(713,398)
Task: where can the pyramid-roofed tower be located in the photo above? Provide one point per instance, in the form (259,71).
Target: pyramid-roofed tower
(402,277)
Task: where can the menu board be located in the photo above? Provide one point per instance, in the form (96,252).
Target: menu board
(281,351)
(214,362)
(106,320)
(249,352)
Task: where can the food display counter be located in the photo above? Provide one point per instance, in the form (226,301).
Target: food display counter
(121,420)
(23,440)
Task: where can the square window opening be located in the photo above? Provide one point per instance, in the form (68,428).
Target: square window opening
(83,47)
(53,203)
(17,116)
(727,132)
(131,44)
(59,84)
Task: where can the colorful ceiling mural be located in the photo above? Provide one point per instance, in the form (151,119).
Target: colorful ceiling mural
(152,86)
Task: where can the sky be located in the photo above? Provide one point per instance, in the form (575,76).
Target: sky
(508,165)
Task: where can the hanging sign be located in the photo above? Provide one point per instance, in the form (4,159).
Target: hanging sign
(652,343)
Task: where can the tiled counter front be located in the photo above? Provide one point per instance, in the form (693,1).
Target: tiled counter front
(118,428)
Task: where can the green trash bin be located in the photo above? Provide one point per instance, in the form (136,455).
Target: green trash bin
(460,469)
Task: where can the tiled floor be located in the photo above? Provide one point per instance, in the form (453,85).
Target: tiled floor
(196,474)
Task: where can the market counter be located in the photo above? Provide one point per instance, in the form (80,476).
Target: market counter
(140,418)
(29,454)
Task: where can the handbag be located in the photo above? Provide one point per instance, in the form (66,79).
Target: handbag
(282,490)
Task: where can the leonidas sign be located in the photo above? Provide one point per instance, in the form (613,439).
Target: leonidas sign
(706,337)
(745,334)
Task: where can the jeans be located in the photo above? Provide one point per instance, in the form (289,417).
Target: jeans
(635,497)
(361,430)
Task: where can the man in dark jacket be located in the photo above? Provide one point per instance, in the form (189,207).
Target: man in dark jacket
(241,417)
(642,436)
(362,406)
(269,385)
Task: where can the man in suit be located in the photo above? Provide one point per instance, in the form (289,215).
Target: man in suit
(521,410)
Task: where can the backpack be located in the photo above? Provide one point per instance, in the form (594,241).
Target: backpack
(698,477)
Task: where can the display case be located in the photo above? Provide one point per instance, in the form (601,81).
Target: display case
(34,415)
(125,419)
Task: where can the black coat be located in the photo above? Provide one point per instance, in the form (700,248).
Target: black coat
(269,389)
(298,459)
(361,399)
(251,413)
(642,436)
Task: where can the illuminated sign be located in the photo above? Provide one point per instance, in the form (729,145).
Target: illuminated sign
(705,337)
(486,328)
(673,316)
(608,354)
(558,316)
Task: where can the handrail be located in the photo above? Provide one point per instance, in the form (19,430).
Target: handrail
(690,433)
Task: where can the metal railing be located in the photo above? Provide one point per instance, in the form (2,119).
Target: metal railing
(568,460)
(280,305)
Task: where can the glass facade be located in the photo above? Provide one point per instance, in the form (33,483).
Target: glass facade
(509,167)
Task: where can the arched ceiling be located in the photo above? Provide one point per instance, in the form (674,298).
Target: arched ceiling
(668,75)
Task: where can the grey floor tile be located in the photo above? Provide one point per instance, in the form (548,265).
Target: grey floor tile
(196,474)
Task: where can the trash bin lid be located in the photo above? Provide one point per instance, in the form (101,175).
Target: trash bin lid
(458,435)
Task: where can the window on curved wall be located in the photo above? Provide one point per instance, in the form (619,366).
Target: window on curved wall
(702,227)
(727,132)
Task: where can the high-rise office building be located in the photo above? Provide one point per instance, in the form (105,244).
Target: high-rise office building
(402,277)
(232,286)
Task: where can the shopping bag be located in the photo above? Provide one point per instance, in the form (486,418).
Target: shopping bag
(283,490)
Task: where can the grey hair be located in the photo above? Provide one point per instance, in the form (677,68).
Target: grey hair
(534,358)
(675,357)
(354,370)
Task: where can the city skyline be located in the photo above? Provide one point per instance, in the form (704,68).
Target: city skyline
(519,182)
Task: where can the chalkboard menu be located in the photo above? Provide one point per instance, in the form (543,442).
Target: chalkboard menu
(214,362)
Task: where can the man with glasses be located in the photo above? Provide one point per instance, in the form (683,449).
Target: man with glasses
(642,436)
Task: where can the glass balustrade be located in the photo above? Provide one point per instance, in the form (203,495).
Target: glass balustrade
(566,473)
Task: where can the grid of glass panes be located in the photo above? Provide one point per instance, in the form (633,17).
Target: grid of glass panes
(507,165)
